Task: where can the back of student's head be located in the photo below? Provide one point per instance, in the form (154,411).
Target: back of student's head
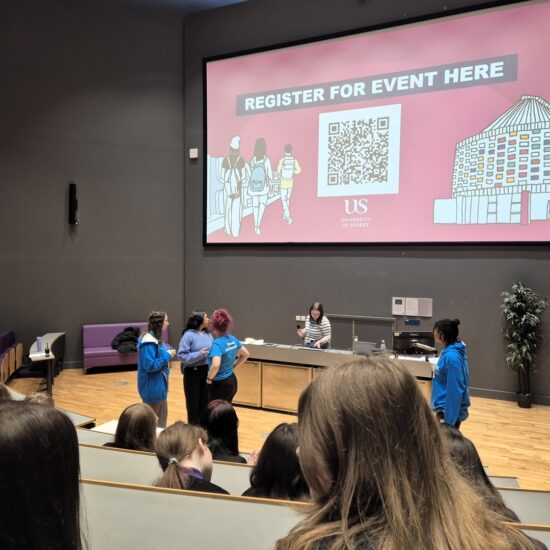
(448,330)
(40,398)
(380,476)
(466,458)
(39,485)
(174,444)
(137,428)
(277,473)
(221,422)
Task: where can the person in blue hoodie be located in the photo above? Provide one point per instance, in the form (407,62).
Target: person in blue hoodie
(154,358)
(450,398)
(194,347)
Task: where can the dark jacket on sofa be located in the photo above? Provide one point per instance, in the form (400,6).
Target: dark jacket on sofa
(126,341)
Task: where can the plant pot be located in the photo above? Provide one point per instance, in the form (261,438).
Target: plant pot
(524,400)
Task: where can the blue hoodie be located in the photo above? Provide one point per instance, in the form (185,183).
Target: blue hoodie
(450,384)
(153,369)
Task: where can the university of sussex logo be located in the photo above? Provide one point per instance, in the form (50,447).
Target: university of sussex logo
(355,206)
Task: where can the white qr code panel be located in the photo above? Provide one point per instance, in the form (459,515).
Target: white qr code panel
(359,152)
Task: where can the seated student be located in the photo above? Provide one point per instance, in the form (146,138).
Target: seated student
(185,459)
(277,473)
(136,429)
(221,422)
(468,463)
(378,471)
(39,485)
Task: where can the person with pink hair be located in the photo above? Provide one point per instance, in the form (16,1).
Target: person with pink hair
(226,354)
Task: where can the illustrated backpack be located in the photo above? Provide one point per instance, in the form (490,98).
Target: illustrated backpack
(287,169)
(258,177)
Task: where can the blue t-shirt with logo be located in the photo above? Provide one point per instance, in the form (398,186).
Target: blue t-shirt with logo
(226,347)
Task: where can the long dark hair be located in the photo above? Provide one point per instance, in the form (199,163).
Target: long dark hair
(466,459)
(195,321)
(137,428)
(318,306)
(39,479)
(154,324)
(277,473)
(221,422)
(448,329)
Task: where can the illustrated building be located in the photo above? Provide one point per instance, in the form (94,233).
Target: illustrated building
(502,175)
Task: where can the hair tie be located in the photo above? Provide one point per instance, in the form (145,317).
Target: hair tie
(173,461)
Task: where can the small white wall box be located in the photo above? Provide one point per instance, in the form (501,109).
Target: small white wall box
(411,307)
(194,153)
(397,306)
(425,307)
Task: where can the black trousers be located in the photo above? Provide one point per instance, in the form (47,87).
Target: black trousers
(196,392)
(224,389)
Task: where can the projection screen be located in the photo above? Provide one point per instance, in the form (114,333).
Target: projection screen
(432,132)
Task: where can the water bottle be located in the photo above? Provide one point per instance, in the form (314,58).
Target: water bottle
(39,344)
(382,345)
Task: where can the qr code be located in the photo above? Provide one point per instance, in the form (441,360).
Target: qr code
(359,151)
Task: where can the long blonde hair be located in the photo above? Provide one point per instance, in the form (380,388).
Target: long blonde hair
(381,478)
(174,444)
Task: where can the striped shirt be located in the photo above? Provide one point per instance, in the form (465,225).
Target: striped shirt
(316,331)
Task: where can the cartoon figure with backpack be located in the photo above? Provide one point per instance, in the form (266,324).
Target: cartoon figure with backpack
(287,168)
(234,175)
(261,175)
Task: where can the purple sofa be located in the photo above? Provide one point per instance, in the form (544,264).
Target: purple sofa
(97,350)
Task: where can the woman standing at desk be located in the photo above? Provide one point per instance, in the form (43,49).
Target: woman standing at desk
(226,354)
(317,331)
(193,351)
(154,358)
(450,398)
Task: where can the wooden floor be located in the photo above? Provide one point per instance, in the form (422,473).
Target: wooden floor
(510,440)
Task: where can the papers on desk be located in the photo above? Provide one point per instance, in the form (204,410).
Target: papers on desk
(41,355)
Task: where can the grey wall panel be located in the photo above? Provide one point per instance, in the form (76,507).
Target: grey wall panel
(92,94)
(266,287)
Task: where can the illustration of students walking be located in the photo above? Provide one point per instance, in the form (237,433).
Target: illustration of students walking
(287,168)
(235,173)
(261,175)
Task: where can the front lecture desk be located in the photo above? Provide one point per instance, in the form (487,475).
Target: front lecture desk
(275,374)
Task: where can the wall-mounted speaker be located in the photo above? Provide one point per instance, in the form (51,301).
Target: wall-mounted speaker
(73,204)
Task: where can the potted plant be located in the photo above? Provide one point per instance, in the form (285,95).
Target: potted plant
(522,308)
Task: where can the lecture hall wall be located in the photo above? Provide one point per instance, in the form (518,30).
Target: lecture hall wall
(95,94)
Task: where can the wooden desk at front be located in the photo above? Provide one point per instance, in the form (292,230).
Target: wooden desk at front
(275,374)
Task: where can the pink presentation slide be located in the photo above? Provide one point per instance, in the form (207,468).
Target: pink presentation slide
(436,132)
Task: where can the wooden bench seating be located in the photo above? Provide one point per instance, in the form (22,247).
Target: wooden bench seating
(135,467)
(118,516)
(530,505)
